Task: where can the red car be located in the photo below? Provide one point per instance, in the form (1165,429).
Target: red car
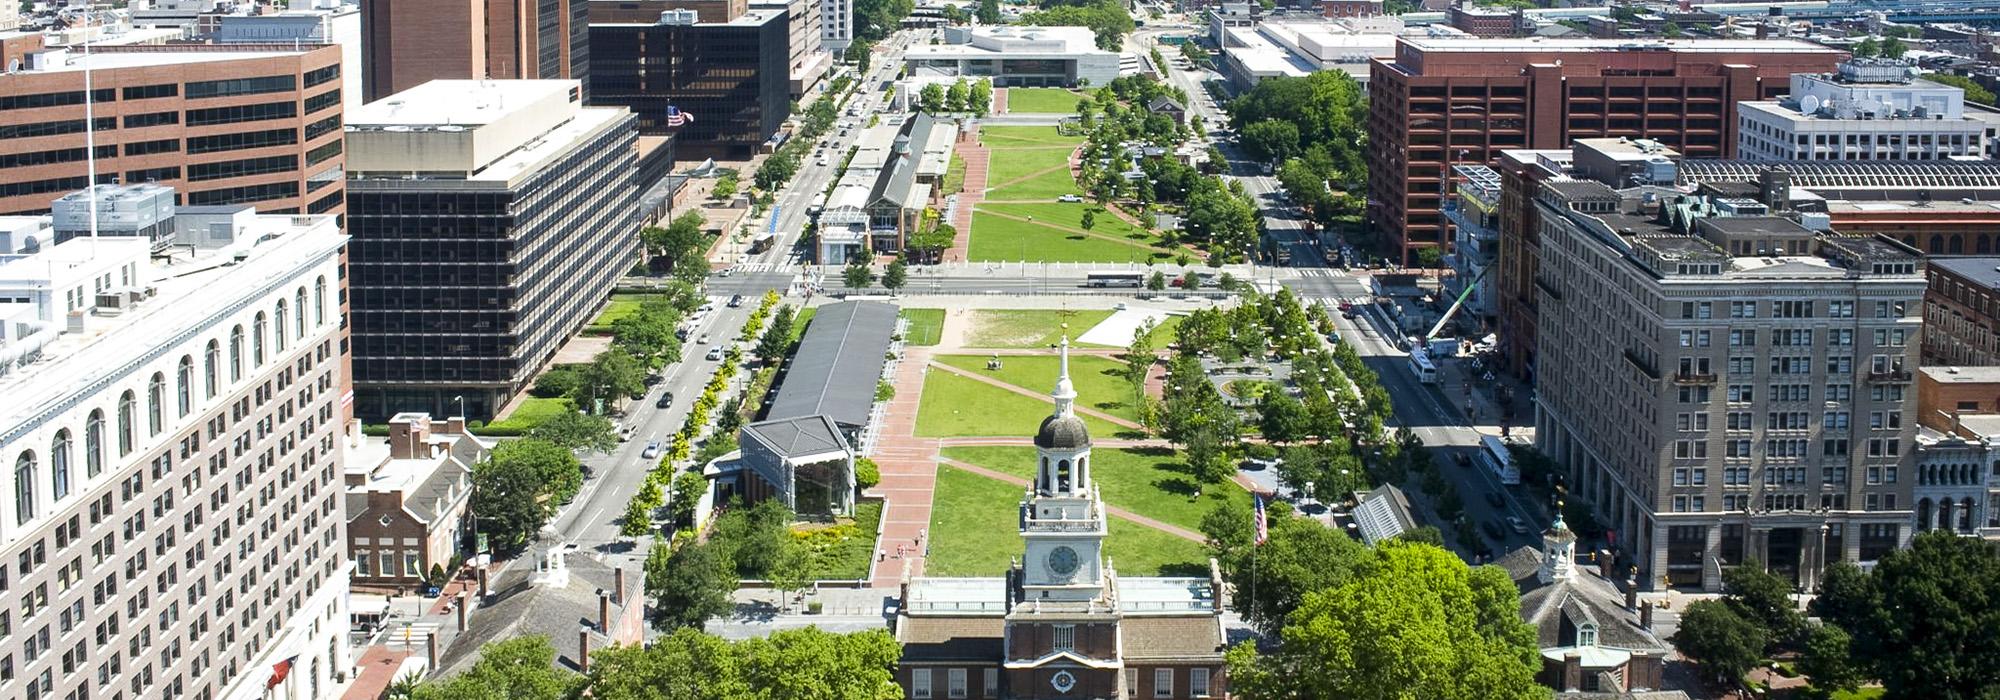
(1346,307)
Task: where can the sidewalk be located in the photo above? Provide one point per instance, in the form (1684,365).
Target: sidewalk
(978,161)
(909,474)
(1039,396)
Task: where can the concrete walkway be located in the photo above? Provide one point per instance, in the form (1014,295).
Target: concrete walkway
(999,441)
(1080,409)
(999,100)
(1115,511)
(909,474)
(978,161)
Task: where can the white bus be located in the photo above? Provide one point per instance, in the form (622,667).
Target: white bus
(1421,365)
(1500,460)
(1114,279)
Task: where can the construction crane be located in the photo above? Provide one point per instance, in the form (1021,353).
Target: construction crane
(1421,362)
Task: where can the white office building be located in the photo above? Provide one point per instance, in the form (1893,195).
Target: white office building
(1870,109)
(1017,56)
(836,25)
(172,524)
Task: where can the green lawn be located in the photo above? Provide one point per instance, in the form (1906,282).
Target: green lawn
(1009,164)
(1003,136)
(1150,481)
(975,531)
(955,406)
(1098,384)
(1028,328)
(621,305)
(800,320)
(999,239)
(1042,100)
(926,326)
(1044,187)
(1070,214)
(532,412)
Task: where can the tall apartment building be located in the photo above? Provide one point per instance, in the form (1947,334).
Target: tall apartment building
(489,218)
(809,59)
(1723,382)
(1441,102)
(237,124)
(1868,109)
(172,525)
(836,25)
(724,65)
(412,43)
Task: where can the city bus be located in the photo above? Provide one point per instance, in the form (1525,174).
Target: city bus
(1499,460)
(1114,279)
(1421,365)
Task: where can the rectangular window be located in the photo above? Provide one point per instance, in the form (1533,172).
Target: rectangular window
(146,148)
(322,100)
(920,683)
(1198,682)
(241,86)
(137,121)
(242,140)
(321,75)
(241,168)
(322,152)
(992,684)
(955,683)
(147,92)
(1163,682)
(1065,637)
(242,113)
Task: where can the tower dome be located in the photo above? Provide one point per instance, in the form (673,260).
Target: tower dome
(1063,432)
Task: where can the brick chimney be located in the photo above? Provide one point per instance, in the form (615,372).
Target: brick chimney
(618,585)
(454,425)
(604,612)
(409,435)
(583,650)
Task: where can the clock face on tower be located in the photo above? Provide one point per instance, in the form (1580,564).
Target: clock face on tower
(1062,561)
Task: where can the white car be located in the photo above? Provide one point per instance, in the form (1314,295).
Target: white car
(1070,198)
(703,340)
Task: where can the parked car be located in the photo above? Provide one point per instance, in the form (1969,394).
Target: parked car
(666,399)
(1070,198)
(1517,525)
(652,450)
(714,353)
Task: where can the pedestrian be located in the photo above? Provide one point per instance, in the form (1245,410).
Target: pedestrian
(879,556)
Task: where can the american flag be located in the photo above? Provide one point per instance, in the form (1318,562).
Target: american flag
(1263,521)
(676,117)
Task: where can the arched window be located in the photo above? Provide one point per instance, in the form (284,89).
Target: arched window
(93,444)
(59,466)
(184,384)
(211,369)
(127,417)
(278,333)
(236,354)
(24,488)
(257,340)
(1586,636)
(299,307)
(156,398)
(319,301)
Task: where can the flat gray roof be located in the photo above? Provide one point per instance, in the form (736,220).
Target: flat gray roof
(838,363)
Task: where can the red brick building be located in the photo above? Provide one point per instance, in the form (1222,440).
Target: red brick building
(412,43)
(1444,101)
(1341,9)
(221,124)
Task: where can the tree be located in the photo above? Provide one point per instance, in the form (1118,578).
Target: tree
(798,664)
(517,487)
(1672,30)
(1867,48)
(981,99)
(856,275)
(638,519)
(1765,598)
(1300,556)
(932,99)
(725,185)
(896,275)
(956,96)
(1894,48)
(1829,660)
(613,375)
(1974,92)
(754,537)
(1140,358)
(574,430)
(1271,140)
(523,668)
(1107,19)
(689,585)
(793,570)
(1924,620)
(777,336)
(1412,621)
(1089,220)
(989,12)
(866,473)
(1190,281)
(1156,281)
(1281,417)
(688,488)
(1724,642)
(686,664)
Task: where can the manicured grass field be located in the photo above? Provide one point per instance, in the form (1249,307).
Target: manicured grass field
(1042,100)
(1152,482)
(1010,163)
(999,239)
(1070,215)
(1043,187)
(1004,136)
(1028,328)
(1097,380)
(926,326)
(975,532)
(800,320)
(532,412)
(955,406)
(621,305)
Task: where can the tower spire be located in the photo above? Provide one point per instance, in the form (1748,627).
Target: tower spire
(1065,393)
